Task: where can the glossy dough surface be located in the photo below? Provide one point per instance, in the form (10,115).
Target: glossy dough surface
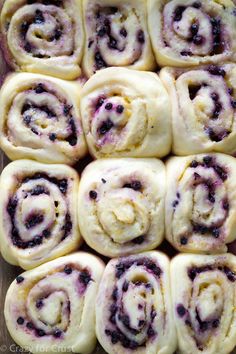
(204,302)
(38,212)
(116,35)
(133,309)
(40,119)
(55,308)
(201,202)
(188,32)
(203,108)
(43,37)
(126,113)
(121,205)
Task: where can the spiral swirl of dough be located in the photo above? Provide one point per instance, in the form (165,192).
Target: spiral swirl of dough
(43,36)
(54,310)
(204,302)
(116,35)
(203,108)
(126,113)
(190,32)
(40,119)
(121,205)
(38,212)
(133,308)
(201,202)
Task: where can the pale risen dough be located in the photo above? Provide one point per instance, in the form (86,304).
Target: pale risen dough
(171,38)
(195,128)
(146,298)
(201,202)
(127,215)
(210,296)
(130,51)
(52,204)
(59,57)
(142,128)
(17,135)
(68,305)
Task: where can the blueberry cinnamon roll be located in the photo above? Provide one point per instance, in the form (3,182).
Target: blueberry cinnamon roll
(121,205)
(133,308)
(203,108)
(201,202)
(43,36)
(38,212)
(190,32)
(54,311)
(40,119)
(126,113)
(204,303)
(116,35)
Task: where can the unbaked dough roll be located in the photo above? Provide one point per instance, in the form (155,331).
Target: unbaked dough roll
(190,32)
(121,205)
(201,202)
(40,119)
(43,36)
(38,212)
(203,108)
(204,299)
(126,113)
(116,35)
(133,308)
(54,310)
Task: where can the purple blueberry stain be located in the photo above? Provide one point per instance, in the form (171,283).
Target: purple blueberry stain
(181,310)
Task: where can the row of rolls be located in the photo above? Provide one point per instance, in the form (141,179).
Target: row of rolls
(144,304)
(119,113)
(57,37)
(119,207)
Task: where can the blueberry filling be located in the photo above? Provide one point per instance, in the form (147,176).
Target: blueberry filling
(67,227)
(30,325)
(33,220)
(186,53)
(68,270)
(100,102)
(57,333)
(108,106)
(52,136)
(138,240)
(118,336)
(93,195)
(103,181)
(112,44)
(24,28)
(198,40)
(196,5)
(178,13)
(193,272)
(67,109)
(215,70)
(99,61)
(39,18)
(194,164)
(114,294)
(105,127)
(38,190)
(57,3)
(181,310)
(85,278)
(183,240)
(225,205)
(120,109)
(141,36)
(72,138)
(148,264)
(40,89)
(28,47)
(216,32)
(233,104)
(125,286)
(19,279)
(217,110)
(123,32)
(39,304)
(40,332)
(57,34)
(135,185)
(20,320)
